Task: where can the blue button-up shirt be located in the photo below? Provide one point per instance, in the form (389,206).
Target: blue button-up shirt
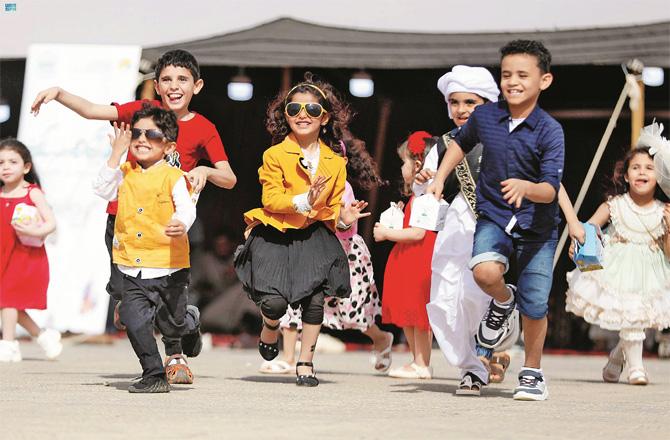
(533,151)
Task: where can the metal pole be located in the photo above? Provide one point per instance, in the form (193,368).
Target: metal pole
(594,166)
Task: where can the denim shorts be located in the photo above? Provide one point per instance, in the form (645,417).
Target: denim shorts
(534,257)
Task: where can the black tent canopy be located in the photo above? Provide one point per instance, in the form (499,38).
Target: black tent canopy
(289,42)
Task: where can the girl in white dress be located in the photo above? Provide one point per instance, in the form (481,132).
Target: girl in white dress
(632,291)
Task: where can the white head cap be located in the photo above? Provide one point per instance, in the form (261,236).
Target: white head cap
(477,80)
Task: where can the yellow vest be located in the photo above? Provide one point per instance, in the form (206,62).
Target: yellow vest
(145,209)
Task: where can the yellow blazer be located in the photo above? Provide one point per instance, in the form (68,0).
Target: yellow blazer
(283,177)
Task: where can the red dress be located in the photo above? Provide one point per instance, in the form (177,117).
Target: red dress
(24,270)
(407,280)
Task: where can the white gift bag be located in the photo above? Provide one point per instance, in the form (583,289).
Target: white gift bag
(428,213)
(25,213)
(393,217)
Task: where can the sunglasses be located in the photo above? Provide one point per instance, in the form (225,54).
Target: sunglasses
(312,109)
(150,133)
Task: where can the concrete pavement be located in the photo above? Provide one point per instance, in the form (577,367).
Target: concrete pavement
(83,396)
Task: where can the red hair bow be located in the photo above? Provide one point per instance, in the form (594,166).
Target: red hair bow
(416,142)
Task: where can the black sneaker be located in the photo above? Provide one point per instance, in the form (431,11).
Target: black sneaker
(492,329)
(532,386)
(191,344)
(150,384)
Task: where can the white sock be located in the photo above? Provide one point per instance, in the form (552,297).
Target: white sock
(537,370)
(633,352)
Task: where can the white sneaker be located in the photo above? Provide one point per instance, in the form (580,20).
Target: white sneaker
(532,386)
(49,340)
(9,351)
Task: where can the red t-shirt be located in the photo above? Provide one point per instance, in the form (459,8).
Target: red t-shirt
(198,139)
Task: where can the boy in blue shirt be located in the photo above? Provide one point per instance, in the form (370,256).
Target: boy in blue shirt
(517,191)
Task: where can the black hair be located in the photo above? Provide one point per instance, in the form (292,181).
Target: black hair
(338,110)
(20,148)
(529,47)
(177,58)
(165,120)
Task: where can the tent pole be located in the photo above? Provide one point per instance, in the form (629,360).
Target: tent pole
(380,142)
(594,165)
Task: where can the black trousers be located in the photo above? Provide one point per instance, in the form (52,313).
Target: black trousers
(160,302)
(115,283)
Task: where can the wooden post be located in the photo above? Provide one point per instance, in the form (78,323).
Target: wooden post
(635,67)
(637,117)
(285,80)
(380,143)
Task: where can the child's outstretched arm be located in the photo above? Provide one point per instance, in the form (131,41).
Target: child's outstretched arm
(221,175)
(106,184)
(452,157)
(575,228)
(406,235)
(35,229)
(602,215)
(77,104)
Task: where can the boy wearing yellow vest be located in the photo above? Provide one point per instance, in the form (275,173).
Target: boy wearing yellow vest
(150,245)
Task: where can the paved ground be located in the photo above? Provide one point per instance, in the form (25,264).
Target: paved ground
(83,395)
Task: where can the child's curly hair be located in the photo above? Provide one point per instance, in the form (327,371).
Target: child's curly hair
(617,185)
(338,110)
(361,168)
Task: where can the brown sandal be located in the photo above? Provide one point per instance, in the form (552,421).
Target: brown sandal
(498,364)
(178,373)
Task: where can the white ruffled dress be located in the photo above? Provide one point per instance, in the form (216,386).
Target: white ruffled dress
(632,291)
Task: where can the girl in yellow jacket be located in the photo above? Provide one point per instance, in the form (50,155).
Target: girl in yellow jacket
(292,255)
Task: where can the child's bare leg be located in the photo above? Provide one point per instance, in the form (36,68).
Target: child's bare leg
(535,331)
(27,322)
(290,336)
(423,344)
(310,334)
(9,320)
(380,339)
(489,276)
(409,335)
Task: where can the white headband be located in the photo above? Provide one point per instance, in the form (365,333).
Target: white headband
(477,80)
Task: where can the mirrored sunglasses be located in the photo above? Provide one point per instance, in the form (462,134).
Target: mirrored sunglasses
(150,133)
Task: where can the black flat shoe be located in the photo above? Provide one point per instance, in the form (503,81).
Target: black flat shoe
(269,351)
(306,380)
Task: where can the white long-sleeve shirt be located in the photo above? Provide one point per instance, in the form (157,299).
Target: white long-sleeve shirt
(106,185)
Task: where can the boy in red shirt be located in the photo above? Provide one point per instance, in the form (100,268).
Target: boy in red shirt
(177,80)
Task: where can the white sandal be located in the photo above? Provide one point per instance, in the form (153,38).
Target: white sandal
(275,367)
(638,376)
(382,359)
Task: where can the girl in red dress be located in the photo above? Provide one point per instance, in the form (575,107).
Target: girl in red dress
(24,268)
(408,271)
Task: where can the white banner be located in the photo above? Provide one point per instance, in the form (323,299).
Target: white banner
(68,151)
